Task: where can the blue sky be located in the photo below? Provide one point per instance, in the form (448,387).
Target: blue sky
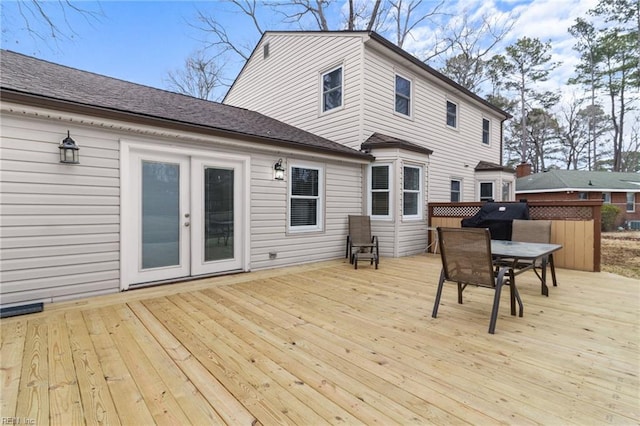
(141,41)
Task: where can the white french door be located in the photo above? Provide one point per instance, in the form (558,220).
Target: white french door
(185,216)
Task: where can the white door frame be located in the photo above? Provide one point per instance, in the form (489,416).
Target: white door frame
(128,244)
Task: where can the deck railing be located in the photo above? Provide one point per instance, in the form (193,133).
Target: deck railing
(575,225)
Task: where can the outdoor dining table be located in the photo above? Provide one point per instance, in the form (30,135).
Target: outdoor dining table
(517,251)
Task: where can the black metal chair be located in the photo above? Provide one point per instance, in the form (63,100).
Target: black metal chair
(466,260)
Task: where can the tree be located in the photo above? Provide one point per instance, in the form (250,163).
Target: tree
(200,77)
(525,63)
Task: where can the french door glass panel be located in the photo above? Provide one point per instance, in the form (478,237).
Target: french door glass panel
(160,214)
(219,210)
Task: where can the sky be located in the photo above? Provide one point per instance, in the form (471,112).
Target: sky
(142,41)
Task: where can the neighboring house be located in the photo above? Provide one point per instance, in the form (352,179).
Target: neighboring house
(619,189)
(167,187)
(432,139)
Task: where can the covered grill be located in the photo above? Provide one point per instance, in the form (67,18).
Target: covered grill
(498,217)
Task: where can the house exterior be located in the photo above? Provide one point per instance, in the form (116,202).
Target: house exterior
(432,139)
(619,189)
(168,187)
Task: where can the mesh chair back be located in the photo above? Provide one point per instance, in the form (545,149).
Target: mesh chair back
(466,255)
(360,229)
(531,231)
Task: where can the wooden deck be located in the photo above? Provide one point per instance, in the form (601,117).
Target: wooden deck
(326,344)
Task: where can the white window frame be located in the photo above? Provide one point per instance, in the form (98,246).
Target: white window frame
(457,116)
(389,190)
(606,197)
(459,190)
(319,226)
(631,199)
(488,133)
(493,190)
(508,185)
(322,92)
(419,215)
(396,94)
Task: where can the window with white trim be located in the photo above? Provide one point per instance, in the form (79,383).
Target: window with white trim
(403,95)
(486,191)
(380,191)
(456,191)
(332,89)
(506,191)
(412,192)
(606,197)
(305,198)
(631,202)
(452,114)
(486,131)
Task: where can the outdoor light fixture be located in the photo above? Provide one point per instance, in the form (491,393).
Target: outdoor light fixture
(69,150)
(278,170)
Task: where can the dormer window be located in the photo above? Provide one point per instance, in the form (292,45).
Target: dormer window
(332,89)
(403,95)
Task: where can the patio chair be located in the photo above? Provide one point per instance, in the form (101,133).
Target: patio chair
(360,243)
(532,231)
(466,260)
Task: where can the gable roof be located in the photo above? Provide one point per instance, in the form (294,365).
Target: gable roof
(577,180)
(386,44)
(486,166)
(33,81)
(380,140)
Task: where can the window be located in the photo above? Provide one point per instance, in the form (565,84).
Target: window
(403,95)
(456,187)
(583,196)
(412,192)
(606,197)
(305,207)
(332,89)
(631,201)
(486,191)
(452,114)
(380,186)
(486,126)
(506,191)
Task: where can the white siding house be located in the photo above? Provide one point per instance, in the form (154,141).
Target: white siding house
(358,89)
(167,187)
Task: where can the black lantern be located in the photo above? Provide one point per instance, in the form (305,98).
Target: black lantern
(278,170)
(69,151)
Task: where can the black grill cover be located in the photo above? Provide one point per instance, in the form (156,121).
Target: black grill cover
(498,217)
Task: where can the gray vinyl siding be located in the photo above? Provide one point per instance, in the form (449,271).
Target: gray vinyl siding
(453,149)
(59,225)
(342,196)
(286,85)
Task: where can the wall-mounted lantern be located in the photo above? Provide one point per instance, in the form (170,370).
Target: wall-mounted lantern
(69,151)
(278,170)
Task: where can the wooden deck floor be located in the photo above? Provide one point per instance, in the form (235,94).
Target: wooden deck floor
(325,344)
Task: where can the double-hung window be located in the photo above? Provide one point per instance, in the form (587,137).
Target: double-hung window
(403,96)
(305,198)
(456,191)
(452,114)
(486,135)
(486,191)
(631,201)
(412,192)
(332,89)
(380,191)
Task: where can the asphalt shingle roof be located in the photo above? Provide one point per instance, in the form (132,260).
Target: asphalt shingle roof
(379,140)
(563,180)
(27,75)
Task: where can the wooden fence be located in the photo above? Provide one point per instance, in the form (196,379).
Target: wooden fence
(575,225)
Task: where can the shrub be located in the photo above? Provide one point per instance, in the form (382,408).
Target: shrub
(609,215)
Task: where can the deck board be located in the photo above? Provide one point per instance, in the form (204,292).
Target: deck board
(326,344)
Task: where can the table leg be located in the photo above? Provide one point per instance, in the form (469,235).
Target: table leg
(545,289)
(553,270)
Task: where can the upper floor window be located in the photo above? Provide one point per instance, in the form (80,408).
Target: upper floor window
(631,201)
(305,198)
(452,114)
(486,191)
(486,136)
(412,192)
(332,89)
(456,191)
(403,95)
(380,190)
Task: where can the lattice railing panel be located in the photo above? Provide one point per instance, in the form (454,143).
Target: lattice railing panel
(455,211)
(561,212)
